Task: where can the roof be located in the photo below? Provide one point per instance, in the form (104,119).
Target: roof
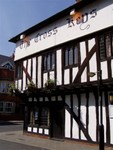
(6,59)
(53,18)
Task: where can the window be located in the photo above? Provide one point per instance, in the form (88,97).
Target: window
(106,45)
(7,107)
(39,116)
(19,70)
(49,62)
(71,55)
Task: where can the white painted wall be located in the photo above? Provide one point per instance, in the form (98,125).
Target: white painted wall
(66,76)
(39,71)
(92,117)
(59,67)
(61,32)
(67,118)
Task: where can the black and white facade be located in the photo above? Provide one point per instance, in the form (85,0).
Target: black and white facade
(66,48)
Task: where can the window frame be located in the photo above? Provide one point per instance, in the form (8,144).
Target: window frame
(106,43)
(18,71)
(69,56)
(49,60)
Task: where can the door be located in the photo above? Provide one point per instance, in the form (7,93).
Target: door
(57,120)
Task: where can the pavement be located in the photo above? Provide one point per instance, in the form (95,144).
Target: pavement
(19,137)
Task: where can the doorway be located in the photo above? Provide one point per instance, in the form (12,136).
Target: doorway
(57,120)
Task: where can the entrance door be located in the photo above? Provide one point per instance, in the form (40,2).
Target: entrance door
(57,120)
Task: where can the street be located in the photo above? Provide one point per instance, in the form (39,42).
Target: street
(16,146)
(9,126)
(6,126)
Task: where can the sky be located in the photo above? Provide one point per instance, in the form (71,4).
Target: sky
(18,15)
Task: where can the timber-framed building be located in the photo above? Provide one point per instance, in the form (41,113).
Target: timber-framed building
(53,61)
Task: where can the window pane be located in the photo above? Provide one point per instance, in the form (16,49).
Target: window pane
(53,61)
(108,45)
(45,63)
(102,47)
(70,56)
(44,116)
(66,57)
(75,55)
(18,71)
(48,62)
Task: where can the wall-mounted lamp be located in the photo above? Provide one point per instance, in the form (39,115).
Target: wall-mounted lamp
(22,36)
(111,98)
(72,12)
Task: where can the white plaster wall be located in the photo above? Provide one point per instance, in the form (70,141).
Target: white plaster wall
(93,67)
(39,71)
(112,67)
(52,75)
(67,118)
(75,71)
(59,67)
(104,115)
(24,76)
(82,51)
(104,69)
(66,76)
(92,117)
(34,70)
(45,78)
(35,130)
(101,19)
(29,69)
(19,84)
(75,127)
(83,113)
(84,76)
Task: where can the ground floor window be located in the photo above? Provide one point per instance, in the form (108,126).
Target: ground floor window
(39,116)
(7,107)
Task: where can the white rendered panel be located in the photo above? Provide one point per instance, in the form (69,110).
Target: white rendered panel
(66,76)
(19,84)
(24,76)
(104,69)
(75,71)
(83,113)
(75,129)
(82,51)
(52,75)
(29,129)
(59,67)
(29,68)
(34,70)
(67,118)
(45,78)
(92,117)
(112,67)
(35,130)
(46,131)
(40,130)
(39,71)
(104,115)
(84,76)
(66,29)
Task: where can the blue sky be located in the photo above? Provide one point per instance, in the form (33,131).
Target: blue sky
(19,15)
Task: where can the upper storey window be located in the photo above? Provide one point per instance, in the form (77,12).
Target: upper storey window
(49,61)
(71,55)
(18,72)
(106,45)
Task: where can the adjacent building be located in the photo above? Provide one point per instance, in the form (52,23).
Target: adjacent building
(9,105)
(64,69)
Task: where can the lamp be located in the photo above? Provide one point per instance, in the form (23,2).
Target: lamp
(72,12)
